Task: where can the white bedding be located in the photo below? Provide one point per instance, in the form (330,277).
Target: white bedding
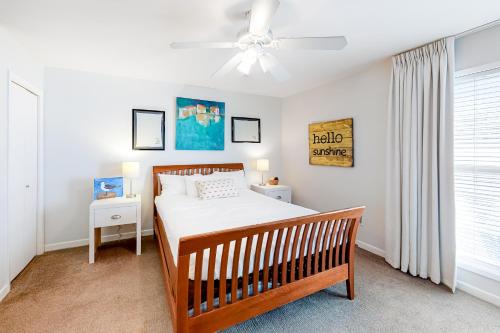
(183,216)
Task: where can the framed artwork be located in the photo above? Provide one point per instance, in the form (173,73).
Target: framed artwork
(245,129)
(148,130)
(331,143)
(105,188)
(199,124)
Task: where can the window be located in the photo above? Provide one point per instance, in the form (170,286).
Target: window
(477,168)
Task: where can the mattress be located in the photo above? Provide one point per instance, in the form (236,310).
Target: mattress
(185,216)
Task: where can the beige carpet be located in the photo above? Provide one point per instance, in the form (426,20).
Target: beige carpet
(61,292)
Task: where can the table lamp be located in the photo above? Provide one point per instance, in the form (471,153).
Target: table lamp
(262,166)
(130,170)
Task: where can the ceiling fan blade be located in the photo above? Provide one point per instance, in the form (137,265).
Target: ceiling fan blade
(260,16)
(311,43)
(270,64)
(229,65)
(203,45)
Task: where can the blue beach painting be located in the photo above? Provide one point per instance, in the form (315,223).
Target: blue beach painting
(199,125)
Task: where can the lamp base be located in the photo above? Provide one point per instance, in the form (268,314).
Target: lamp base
(130,194)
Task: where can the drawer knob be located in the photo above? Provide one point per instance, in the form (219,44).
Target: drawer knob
(116,217)
(278,197)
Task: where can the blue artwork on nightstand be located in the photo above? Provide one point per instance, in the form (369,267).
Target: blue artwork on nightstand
(105,188)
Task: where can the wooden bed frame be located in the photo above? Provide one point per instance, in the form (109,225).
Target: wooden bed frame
(280,284)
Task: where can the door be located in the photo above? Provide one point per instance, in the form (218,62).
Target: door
(22,177)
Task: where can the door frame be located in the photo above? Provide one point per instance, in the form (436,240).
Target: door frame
(12,77)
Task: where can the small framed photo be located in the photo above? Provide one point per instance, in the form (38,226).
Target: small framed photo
(105,188)
(245,129)
(148,130)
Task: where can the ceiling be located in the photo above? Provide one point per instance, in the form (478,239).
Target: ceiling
(131,37)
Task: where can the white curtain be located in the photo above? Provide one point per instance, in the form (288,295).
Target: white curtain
(420,221)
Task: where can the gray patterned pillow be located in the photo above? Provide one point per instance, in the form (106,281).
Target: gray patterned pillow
(216,188)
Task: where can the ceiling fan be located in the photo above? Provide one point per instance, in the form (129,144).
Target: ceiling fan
(254,42)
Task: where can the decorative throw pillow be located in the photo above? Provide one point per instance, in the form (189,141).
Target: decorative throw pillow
(216,188)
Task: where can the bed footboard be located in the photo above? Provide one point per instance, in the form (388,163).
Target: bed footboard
(297,257)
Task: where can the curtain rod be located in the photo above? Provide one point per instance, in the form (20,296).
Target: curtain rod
(460,35)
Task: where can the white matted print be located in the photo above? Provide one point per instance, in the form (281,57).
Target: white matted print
(148,130)
(245,129)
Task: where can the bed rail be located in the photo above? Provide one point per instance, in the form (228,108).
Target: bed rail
(316,251)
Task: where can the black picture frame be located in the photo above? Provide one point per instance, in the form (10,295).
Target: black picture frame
(233,119)
(135,112)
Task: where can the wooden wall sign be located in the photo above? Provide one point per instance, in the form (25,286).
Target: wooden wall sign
(331,143)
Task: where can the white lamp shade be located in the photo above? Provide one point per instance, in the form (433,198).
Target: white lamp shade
(263,165)
(130,169)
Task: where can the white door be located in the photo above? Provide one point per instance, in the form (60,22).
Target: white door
(22,175)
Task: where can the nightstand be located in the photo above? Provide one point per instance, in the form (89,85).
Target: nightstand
(112,212)
(279,192)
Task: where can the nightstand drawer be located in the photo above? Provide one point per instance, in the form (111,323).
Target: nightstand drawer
(106,217)
(283,195)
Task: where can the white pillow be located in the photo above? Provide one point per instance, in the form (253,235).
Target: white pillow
(191,190)
(238,176)
(216,188)
(172,184)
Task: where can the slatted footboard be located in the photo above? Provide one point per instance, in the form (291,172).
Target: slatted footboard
(239,273)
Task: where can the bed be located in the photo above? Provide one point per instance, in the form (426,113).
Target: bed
(227,260)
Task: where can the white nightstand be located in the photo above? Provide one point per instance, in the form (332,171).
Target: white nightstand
(279,192)
(110,212)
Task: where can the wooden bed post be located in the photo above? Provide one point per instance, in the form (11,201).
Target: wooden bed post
(155,193)
(349,283)
(182,291)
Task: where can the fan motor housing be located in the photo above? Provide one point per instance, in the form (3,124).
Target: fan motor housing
(246,39)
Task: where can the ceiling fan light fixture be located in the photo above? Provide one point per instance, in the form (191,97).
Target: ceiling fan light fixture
(249,58)
(244,67)
(265,64)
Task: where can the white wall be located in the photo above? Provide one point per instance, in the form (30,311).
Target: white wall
(16,58)
(364,97)
(88,129)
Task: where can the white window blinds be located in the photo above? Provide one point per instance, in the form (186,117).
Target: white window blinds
(477,166)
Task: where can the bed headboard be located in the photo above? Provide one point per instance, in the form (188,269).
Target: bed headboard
(189,169)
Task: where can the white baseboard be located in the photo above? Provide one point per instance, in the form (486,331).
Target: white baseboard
(371,248)
(479,293)
(466,287)
(66,245)
(84,242)
(4,291)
